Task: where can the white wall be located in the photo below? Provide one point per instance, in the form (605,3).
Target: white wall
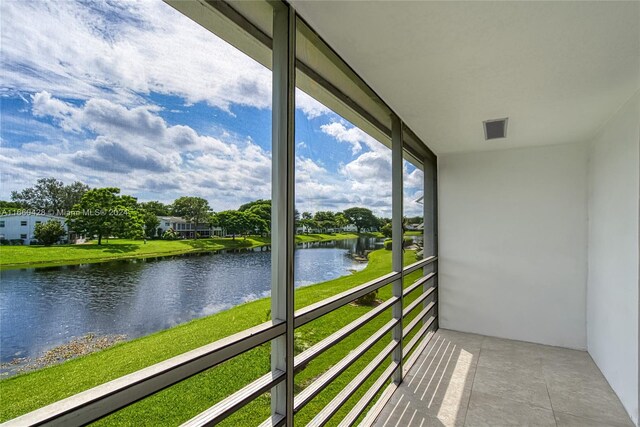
(612,289)
(513,243)
(11,226)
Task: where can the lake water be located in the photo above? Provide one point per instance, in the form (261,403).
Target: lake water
(43,308)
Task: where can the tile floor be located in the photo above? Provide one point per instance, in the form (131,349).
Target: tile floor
(472,380)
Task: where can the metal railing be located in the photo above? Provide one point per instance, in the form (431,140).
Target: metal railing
(100,401)
(104,399)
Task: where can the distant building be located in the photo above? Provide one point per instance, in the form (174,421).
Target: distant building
(22,227)
(186,229)
(303,229)
(350,228)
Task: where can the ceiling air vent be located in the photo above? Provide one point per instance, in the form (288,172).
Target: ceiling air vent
(494,129)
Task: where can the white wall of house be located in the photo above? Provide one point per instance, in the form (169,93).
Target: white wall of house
(513,243)
(22,227)
(612,288)
(184,228)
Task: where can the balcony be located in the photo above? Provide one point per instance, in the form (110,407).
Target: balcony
(523,308)
(469,379)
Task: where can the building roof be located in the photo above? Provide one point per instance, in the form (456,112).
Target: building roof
(33,214)
(176,219)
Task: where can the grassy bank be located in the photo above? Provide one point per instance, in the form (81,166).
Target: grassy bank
(12,257)
(177,404)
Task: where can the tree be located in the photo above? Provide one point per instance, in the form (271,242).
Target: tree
(193,209)
(49,232)
(233,222)
(158,208)
(254,223)
(383,221)
(9,207)
(72,194)
(341,220)
(361,218)
(325,219)
(307,221)
(414,220)
(150,221)
(386,230)
(262,211)
(249,205)
(51,195)
(102,212)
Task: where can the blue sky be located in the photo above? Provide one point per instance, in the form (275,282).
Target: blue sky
(123,94)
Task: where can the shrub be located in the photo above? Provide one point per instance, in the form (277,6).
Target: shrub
(369,299)
(386,230)
(387,244)
(49,232)
(170,234)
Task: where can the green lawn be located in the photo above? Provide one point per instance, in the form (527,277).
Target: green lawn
(12,257)
(179,403)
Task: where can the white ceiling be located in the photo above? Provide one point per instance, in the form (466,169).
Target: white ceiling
(558,70)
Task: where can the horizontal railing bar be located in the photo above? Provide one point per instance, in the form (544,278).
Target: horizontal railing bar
(311,353)
(332,373)
(377,408)
(336,403)
(407,330)
(364,401)
(313,311)
(276,420)
(416,354)
(235,401)
(419,264)
(421,281)
(409,308)
(407,349)
(95,403)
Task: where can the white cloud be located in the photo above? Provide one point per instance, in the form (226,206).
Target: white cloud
(140,125)
(137,150)
(364,181)
(122,49)
(354,136)
(370,165)
(413,179)
(113,156)
(89,68)
(310,106)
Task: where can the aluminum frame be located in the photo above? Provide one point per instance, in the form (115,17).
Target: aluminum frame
(100,401)
(282,205)
(397,243)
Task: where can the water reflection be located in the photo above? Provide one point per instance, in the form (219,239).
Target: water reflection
(42,308)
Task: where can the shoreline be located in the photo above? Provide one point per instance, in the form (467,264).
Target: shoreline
(213,245)
(89,342)
(27,391)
